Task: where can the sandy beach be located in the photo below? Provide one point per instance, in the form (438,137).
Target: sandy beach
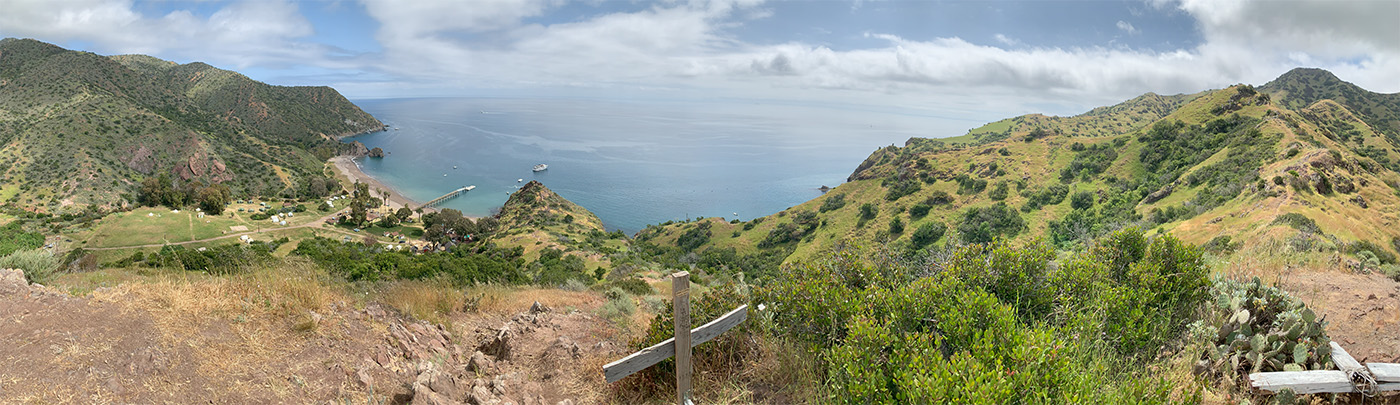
(346,166)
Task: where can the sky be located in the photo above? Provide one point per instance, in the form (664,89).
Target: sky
(976,60)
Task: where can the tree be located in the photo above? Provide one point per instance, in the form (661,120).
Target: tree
(389,221)
(403,213)
(896,226)
(360,204)
(213,198)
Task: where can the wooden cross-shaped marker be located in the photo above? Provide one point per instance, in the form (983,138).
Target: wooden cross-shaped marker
(679,346)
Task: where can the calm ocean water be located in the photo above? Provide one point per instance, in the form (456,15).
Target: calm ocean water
(633,163)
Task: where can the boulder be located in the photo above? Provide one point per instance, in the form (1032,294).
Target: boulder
(537,307)
(479,363)
(12,282)
(500,346)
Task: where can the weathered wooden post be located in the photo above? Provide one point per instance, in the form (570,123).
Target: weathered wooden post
(680,293)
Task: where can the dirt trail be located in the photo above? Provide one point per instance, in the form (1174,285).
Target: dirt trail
(1362,310)
(129,345)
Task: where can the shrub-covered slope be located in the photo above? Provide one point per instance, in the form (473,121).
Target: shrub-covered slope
(81,129)
(1216,168)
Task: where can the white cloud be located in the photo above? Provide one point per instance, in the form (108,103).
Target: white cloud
(442,47)
(240,34)
(1127,27)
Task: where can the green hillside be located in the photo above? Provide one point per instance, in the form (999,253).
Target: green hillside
(79,129)
(1217,168)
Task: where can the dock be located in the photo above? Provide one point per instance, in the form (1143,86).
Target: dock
(447,196)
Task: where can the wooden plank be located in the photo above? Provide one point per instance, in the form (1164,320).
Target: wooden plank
(1344,360)
(661,351)
(680,293)
(1385,372)
(1302,382)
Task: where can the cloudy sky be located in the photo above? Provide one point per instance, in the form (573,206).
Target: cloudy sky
(983,59)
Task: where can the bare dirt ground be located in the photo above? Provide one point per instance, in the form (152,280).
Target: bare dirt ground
(1362,310)
(258,340)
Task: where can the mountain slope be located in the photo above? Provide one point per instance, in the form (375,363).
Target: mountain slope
(1253,165)
(80,129)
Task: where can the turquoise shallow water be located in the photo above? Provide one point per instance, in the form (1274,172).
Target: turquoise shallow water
(633,163)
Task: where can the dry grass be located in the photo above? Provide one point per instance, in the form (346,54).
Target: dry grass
(431,301)
(241,324)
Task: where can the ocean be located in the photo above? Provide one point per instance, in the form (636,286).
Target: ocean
(631,162)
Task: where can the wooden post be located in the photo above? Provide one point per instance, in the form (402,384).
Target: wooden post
(680,292)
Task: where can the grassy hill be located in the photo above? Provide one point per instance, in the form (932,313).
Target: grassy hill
(79,129)
(536,218)
(1307,160)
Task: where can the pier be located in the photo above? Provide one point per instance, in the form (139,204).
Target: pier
(447,196)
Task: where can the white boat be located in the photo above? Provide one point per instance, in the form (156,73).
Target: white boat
(519,180)
(444,175)
(541,167)
(454,167)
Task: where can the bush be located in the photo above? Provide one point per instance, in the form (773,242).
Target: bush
(38,264)
(1221,245)
(1298,221)
(14,238)
(927,234)
(832,203)
(900,188)
(1082,200)
(694,237)
(938,197)
(984,224)
(896,226)
(998,324)
(619,306)
(919,211)
(1000,192)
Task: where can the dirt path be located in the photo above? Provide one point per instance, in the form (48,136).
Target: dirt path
(314,223)
(196,342)
(1362,310)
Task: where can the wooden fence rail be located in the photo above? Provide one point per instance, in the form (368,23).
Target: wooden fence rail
(1385,375)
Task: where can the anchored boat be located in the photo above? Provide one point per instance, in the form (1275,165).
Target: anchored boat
(541,167)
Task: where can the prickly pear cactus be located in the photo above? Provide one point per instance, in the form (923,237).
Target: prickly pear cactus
(1251,327)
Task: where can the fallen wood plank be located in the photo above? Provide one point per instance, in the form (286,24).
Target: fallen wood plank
(1344,360)
(661,351)
(1302,382)
(1385,372)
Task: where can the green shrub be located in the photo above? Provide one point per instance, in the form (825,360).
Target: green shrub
(867,211)
(938,197)
(919,211)
(1082,200)
(1221,245)
(927,234)
(38,264)
(999,192)
(694,237)
(900,188)
(14,238)
(832,203)
(983,224)
(896,226)
(619,306)
(1381,255)
(1298,221)
(997,323)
